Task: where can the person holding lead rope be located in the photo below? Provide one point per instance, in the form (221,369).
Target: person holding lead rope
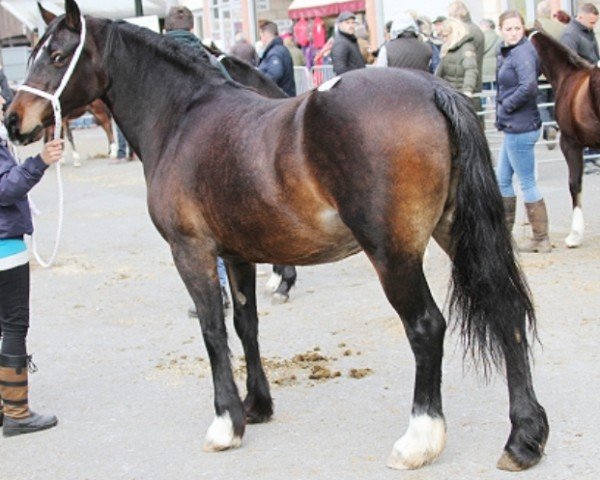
(15,222)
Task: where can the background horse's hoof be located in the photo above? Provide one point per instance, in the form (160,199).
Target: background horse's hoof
(279,298)
(273,283)
(573,241)
(220,435)
(113,150)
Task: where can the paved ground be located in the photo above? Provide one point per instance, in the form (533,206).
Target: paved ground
(126,371)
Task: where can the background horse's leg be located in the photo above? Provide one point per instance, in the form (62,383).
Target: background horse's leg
(407,290)
(281,282)
(573,153)
(198,270)
(69,134)
(242,281)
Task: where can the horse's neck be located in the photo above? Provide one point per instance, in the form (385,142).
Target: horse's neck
(557,62)
(149,93)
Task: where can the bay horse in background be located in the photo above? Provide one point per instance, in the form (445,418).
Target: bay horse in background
(283,277)
(576,85)
(102,117)
(303,181)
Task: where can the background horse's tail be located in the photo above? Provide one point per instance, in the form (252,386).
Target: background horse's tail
(490,296)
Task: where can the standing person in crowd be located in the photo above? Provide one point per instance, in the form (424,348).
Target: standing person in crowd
(405,49)
(518,117)
(579,36)
(460,11)
(15,222)
(438,24)
(243,50)
(458,64)
(345,54)
(490,53)
(297,56)
(276,62)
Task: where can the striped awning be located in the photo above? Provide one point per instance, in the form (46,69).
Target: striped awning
(323,8)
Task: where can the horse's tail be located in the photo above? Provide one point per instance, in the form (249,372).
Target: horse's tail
(490,297)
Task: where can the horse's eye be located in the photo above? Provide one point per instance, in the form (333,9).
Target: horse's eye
(57,58)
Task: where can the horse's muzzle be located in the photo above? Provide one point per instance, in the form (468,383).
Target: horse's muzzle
(12,126)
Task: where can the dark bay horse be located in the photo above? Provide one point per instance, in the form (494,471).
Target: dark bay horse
(576,85)
(381,162)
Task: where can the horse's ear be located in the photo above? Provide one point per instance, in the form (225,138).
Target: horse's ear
(72,15)
(47,15)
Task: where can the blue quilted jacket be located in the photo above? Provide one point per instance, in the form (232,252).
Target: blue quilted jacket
(15,183)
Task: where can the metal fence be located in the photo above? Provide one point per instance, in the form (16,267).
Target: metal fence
(307,79)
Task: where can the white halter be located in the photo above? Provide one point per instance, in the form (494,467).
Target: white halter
(55,101)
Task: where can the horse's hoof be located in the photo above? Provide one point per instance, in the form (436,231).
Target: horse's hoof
(422,443)
(573,241)
(510,464)
(279,298)
(113,150)
(258,411)
(220,435)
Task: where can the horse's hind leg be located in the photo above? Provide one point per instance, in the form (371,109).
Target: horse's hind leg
(198,269)
(258,403)
(407,290)
(530,428)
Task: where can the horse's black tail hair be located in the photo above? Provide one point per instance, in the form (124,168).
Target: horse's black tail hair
(490,297)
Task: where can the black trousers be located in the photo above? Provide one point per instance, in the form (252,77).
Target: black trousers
(14,310)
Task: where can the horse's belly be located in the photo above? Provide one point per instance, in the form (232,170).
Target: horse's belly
(321,238)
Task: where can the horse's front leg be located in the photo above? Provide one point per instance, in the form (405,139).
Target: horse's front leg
(242,278)
(198,269)
(573,153)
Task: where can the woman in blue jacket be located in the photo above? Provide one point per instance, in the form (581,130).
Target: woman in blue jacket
(517,115)
(15,222)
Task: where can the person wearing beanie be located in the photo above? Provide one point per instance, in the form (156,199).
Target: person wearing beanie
(405,49)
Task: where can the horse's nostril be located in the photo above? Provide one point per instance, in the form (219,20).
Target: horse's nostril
(12,122)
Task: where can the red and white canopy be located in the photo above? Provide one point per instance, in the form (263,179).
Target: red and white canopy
(323,8)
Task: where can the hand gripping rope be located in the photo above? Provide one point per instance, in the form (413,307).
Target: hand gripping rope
(54,99)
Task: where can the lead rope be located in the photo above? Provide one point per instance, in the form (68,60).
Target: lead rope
(55,101)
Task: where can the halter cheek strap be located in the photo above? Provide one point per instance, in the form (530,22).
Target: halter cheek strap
(532,34)
(54,98)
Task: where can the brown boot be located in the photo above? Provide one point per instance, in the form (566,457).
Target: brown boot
(538,218)
(18,418)
(510,206)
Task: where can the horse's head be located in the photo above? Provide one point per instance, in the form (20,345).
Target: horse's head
(50,71)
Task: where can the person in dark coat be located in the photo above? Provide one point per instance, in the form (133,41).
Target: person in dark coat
(15,221)
(405,49)
(517,115)
(276,62)
(579,36)
(345,54)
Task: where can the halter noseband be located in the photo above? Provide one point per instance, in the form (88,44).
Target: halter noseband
(54,98)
